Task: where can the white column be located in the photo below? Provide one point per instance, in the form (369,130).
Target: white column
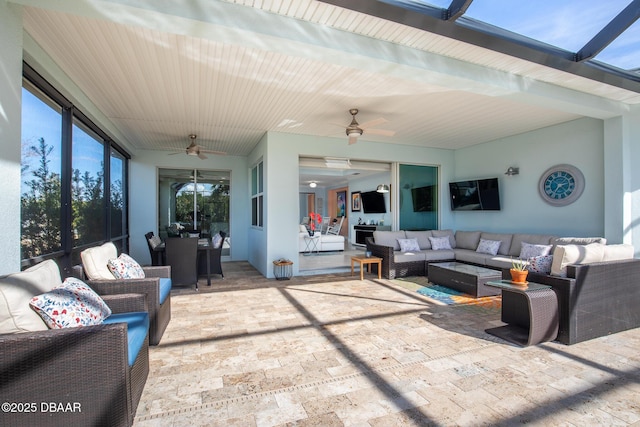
(10,131)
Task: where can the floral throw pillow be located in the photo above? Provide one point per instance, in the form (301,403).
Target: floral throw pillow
(409,245)
(490,247)
(125,267)
(72,304)
(529,250)
(541,264)
(440,243)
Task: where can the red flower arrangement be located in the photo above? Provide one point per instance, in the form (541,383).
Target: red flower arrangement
(313,218)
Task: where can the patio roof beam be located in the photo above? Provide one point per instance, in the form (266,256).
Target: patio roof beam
(457,8)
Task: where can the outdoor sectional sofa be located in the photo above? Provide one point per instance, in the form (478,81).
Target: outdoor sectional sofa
(598,294)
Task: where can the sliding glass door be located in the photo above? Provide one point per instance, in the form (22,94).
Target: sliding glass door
(194,200)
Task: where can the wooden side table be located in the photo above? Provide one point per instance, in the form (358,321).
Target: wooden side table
(363,260)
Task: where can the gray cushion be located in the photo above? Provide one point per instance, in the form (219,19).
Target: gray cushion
(467,239)
(448,233)
(408,256)
(503,237)
(499,262)
(468,255)
(389,238)
(534,239)
(422,237)
(442,255)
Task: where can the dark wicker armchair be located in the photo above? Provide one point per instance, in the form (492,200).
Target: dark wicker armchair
(84,369)
(215,256)
(159,314)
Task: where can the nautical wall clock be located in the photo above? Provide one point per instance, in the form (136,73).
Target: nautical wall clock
(561,185)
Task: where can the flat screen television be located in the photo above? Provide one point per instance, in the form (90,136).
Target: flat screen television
(475,195)
(373,202)
(423,198)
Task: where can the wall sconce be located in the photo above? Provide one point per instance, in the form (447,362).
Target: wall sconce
(383,188)
(313,184)
(512,171)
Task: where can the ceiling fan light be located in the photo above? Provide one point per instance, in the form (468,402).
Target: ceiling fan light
(354,132)
(313,184)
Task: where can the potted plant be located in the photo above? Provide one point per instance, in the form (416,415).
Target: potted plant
(519,271)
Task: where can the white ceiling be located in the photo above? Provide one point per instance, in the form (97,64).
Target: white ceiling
(231,71)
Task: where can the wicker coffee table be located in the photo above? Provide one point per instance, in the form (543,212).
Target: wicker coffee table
(530,311)
(462,277)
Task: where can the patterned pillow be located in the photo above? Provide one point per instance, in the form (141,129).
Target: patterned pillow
(529,250)
(125,267)
(70,305)
(409,245)
(217,240)
(540,264)
(440,243)
(490,247)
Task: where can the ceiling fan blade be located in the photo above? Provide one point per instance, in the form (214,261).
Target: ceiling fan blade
(373,123)
(353,140)
(218,153)
(384,132)
(173,154)
(202,156)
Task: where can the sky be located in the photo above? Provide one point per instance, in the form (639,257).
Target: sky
(567,24)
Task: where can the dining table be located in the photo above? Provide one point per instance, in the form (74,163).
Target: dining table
(204,245)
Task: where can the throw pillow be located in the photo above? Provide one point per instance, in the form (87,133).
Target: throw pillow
(217,240)
(564,255)
(409,245)
(70,305)
(155,241)
(125,267)
(540,264)
(530,250)
(490,247)
(94,261)
(440,243)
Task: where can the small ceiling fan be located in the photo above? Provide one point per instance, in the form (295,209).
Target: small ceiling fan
(197,150)
(354,130)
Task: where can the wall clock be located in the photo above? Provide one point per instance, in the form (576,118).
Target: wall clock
(561,185)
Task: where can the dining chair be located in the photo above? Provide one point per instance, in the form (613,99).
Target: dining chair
(152,242)
(215,255)
(182,255)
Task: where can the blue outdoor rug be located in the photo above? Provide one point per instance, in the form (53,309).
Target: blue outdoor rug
(442,295)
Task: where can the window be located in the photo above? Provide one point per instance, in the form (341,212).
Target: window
(257,198)
(74,179)
(40,174)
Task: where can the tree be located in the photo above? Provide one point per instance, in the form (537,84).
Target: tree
(40,205)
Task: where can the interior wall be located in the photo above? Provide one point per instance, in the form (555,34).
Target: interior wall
(579,143)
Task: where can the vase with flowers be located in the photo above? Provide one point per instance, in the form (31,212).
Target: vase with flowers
(313,219)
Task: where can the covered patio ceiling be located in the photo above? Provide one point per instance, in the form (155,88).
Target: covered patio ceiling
(232,71)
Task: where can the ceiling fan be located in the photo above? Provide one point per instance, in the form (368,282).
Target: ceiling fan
(197,150)
(354,130)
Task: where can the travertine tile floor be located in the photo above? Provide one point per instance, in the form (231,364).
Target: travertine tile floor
(336,351)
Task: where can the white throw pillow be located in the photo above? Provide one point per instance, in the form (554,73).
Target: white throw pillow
(440,243)
(155,241)
(16,290)
(409,245)
(529,250)
(217,241)
(490,247)
(95,260)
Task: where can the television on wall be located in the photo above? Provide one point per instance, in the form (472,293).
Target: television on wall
(373,202)
(423,198)
(475,195)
